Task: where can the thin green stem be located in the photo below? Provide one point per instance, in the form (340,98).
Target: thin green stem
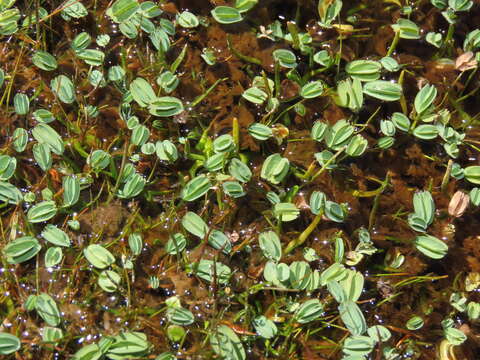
(376,201)
(446,177)
(200,98)
(448,43)
(328,162)
(305,234)
(392,47)
(120,173)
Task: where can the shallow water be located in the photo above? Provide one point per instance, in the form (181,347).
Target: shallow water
(88,312)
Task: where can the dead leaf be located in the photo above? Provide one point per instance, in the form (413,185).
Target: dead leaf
(466,61)
(458,204)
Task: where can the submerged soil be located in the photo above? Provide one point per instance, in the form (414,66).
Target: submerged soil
(388,298)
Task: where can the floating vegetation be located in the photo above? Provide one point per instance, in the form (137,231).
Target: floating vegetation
(244,179)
